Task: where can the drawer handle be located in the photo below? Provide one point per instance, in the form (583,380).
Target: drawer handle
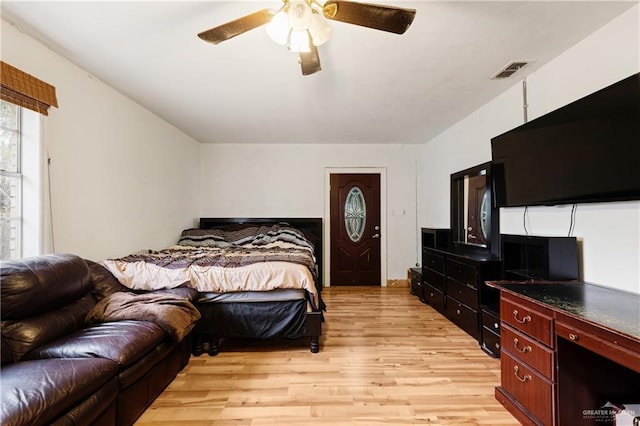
(496,325)
(573,337)
(524,320)
(523,350)
(497,345)
(524,378)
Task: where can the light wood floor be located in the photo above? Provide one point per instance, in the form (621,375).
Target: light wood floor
(385,358)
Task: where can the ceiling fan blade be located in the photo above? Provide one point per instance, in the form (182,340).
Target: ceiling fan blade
(236,27)
(310,61)
(385,18)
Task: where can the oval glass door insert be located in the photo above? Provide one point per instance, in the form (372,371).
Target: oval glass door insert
(355,213)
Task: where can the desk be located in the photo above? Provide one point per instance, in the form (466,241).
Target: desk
(570,352)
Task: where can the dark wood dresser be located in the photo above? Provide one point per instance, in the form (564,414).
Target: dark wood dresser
(570,352)
(453,283)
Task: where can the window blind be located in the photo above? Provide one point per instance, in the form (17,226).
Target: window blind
(25,90)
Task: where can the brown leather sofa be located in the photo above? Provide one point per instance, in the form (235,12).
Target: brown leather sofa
(56,368)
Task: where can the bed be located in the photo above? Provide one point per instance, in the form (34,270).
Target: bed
(258,278)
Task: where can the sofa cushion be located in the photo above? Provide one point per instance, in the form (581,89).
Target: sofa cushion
(142,367)
(123,342)
(24,335)
(53,280)
(99,409)
(37,392)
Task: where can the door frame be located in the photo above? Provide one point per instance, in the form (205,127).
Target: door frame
(382,171)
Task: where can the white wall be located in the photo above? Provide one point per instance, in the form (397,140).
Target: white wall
(254,180)
(122,179)
(609,232)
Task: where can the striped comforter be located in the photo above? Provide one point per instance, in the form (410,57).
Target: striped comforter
(252,258)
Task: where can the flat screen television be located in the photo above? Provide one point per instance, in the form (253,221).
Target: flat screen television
(587,151)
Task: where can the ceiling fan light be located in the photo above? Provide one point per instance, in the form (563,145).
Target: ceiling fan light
(299,41)
(299,15)
(319,29)
(278,28)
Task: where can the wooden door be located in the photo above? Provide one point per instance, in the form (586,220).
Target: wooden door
(477,187)
(355,229)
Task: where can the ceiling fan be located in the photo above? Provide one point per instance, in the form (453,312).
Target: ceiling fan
(300,25)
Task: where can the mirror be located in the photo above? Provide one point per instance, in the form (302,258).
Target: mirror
(474,220)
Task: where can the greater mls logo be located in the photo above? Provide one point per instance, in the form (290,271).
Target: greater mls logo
(620,415)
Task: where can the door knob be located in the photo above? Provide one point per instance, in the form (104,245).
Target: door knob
(377,228)
(375,236)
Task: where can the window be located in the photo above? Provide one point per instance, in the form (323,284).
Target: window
(24,99)
(10,181)
(21,182)
(355,214)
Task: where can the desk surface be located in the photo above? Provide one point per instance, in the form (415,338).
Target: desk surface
(613,309)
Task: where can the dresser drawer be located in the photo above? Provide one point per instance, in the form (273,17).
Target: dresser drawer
(416,282)
(533,321)
(433,278)
(433,297)
(463,316)
(528,351)
(416,274)
(416,288)
(491,322)
(433,261)
(491,342)
(461,272)
(526,386)
(463,293)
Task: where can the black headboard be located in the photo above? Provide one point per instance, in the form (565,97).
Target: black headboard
(312,225)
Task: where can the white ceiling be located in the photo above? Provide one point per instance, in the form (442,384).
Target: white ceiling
(374,87)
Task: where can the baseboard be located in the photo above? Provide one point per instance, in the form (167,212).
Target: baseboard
(398,283)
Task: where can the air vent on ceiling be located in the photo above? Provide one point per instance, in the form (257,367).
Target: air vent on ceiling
(509,69)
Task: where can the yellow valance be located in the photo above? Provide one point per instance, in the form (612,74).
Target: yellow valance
(25,90)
